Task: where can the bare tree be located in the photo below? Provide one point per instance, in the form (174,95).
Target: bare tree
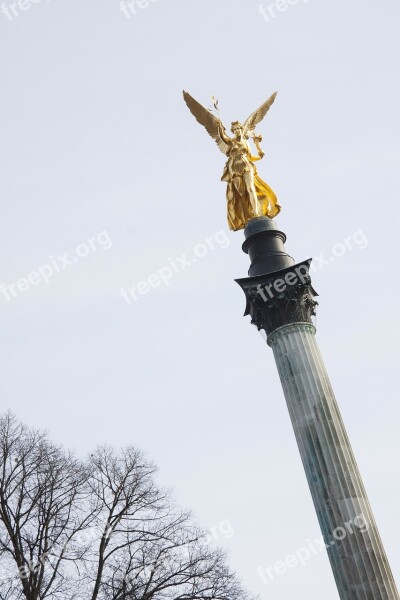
(44,501)
(120,536)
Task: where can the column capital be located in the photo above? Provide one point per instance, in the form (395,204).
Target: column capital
(281,298)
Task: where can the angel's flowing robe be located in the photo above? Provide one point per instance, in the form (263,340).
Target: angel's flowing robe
(240,207)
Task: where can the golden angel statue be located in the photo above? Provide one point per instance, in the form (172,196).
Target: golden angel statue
(248,196)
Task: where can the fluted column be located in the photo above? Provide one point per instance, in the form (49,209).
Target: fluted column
(281,301)
(351,537)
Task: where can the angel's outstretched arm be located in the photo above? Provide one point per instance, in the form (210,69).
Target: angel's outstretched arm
(257,140)
(222,133)
(261,153)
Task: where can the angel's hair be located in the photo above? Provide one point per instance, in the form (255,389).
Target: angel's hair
(239,124)
(236,124)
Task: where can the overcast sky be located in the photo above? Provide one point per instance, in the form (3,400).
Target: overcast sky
(108,184)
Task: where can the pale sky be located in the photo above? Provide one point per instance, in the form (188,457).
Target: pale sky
(107,180)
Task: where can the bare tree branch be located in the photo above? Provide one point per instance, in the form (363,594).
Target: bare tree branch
(100,530)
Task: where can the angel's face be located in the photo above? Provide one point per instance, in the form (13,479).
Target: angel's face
(237,132)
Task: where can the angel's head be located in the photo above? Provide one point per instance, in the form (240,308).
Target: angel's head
(237,129)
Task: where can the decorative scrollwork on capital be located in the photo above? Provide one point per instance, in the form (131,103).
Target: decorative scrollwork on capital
(280,298)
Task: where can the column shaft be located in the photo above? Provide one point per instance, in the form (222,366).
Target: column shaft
(355,550)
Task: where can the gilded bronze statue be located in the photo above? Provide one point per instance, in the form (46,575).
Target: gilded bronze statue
(248,196)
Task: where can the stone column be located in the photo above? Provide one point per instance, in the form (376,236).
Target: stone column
(281,300)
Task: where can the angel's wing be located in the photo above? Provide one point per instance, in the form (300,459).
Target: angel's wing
(258,115)
(207,119)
